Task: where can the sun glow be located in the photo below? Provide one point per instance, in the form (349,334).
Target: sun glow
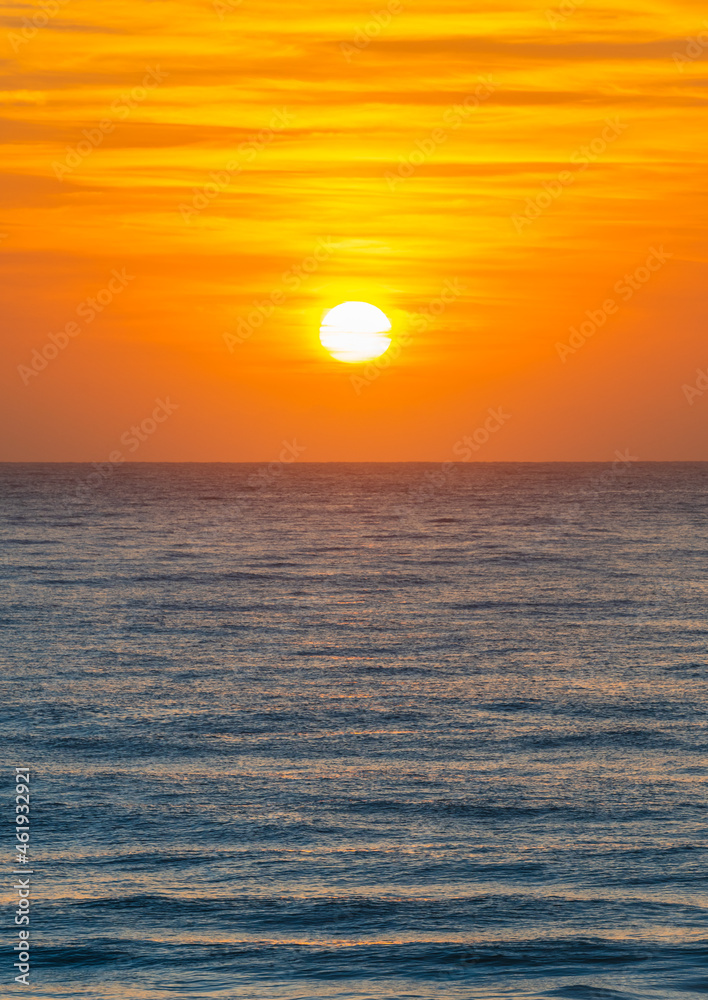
(355,331)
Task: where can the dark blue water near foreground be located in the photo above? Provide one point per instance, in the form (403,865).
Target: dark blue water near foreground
(348,736)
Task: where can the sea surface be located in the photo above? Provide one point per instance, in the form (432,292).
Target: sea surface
(359,731)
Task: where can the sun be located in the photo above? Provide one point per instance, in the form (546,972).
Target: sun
(355,331)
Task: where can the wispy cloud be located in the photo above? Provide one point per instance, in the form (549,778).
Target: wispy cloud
(353,122)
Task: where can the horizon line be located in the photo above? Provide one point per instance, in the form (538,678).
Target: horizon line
(398,461)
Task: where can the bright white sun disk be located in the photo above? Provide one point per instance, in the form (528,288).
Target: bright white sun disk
(355,331)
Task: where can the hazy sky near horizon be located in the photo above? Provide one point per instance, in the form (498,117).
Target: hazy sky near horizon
(187,186)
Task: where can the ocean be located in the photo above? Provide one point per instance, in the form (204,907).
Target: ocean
(359,731)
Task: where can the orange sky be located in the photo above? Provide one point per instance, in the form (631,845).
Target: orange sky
(520,161)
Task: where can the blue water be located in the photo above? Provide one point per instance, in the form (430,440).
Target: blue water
(361,733)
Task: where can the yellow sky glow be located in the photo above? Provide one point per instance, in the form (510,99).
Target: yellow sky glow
(486,178)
